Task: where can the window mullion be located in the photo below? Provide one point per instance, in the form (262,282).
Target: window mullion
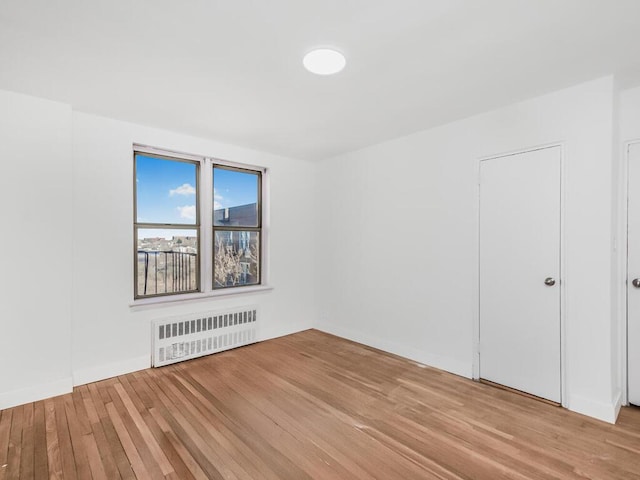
(206,223)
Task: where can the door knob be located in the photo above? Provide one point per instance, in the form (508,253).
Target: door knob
(551,282)
(636,282)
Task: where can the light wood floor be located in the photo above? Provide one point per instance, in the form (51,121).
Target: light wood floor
(306,406)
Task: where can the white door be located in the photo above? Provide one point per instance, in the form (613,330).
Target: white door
(633,273)
(520,272)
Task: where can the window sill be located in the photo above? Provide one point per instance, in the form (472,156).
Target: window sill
(193,297)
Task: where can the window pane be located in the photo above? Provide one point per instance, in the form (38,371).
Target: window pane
(236,258)
(235,198)
(167,261)
(165,191)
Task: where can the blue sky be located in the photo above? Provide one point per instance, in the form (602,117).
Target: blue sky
(233,188)
(166,191)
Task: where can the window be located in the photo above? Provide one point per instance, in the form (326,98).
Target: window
(236,227)
(197,225)
(166,226)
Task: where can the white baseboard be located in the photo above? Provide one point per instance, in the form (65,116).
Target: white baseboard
(437,361)
(607,412)
(617,405)
(35,393)
(94,374)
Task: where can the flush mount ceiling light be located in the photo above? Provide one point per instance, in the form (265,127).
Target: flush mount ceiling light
(324,61)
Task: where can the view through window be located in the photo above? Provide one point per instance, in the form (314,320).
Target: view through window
(169,239)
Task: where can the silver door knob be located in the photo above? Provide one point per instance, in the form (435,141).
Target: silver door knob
(636,282)
(551,282)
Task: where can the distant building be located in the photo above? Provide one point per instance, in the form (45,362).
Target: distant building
(242,215)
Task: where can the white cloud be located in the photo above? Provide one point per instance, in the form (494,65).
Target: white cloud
(188,212)
(184,189)
(217,200)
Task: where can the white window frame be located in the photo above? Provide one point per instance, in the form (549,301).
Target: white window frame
(205,194)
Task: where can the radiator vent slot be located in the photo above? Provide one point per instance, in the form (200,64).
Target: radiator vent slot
(190,336)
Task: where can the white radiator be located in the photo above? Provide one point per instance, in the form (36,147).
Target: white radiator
(190,336)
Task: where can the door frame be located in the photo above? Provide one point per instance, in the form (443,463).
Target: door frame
(624,297)
(563,268)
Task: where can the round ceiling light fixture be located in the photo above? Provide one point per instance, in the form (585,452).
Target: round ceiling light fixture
(324,61)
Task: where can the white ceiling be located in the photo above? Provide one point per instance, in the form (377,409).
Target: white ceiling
(232,69)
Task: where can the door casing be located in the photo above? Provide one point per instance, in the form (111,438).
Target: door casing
(563,269)
(624,331)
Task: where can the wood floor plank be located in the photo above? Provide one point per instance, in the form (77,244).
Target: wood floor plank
(309,406)
(206,442)
(191,463)
(97,441)
(138,434)
(27,459)
(112,441)
(80,412)
(77,430)
(89,405)
(15,444)
(93,458)
(41,464)
(145,432)
(174,464)
(137,464)
(181,429)
(69,470)
(54,462)
(5,432)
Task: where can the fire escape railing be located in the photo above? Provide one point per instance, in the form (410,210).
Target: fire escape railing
(166,272)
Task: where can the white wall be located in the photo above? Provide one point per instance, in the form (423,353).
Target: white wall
(67,286)
(35,285)
(109,336)
(400,222)
(630,114)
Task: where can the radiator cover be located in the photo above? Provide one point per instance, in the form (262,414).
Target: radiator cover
(179,338)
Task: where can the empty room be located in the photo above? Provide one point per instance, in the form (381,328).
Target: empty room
(339,239)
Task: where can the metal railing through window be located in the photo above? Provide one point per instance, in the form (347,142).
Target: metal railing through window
(167,272)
